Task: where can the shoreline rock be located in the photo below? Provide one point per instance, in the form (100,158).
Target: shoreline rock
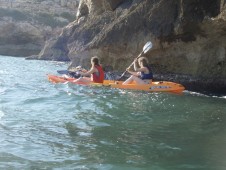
(196,84)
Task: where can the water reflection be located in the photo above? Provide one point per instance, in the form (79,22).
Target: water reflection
(62,126)
(141,134)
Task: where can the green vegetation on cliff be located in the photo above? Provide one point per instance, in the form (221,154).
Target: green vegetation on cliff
(14,14)
(47,19)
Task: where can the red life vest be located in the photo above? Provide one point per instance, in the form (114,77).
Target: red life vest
(98,77)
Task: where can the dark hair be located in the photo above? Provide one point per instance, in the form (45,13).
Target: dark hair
(95,60)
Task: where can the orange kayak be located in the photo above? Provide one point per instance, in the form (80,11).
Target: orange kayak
(157,86)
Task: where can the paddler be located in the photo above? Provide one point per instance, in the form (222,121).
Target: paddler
(95,74)
(142,73)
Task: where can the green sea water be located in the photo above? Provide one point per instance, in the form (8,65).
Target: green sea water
(64,126)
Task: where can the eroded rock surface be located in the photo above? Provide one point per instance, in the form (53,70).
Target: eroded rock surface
(188,37)
(25,25)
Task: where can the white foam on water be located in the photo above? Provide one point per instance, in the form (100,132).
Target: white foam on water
(2,90)
(1,114)
(204,95)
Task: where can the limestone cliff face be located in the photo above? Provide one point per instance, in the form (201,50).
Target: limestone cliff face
(20,39)
(25,25)
(188,37)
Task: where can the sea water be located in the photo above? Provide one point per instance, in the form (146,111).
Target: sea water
(65,126)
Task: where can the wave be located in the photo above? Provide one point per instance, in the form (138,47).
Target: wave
(199,94)
(1,114)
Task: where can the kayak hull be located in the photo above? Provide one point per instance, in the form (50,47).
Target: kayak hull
(157,86)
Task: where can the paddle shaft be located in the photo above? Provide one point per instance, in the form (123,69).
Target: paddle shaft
(131,64)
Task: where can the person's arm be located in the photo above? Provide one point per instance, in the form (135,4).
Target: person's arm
(88,73)
(142,69)
(137,68)
(77,69)
(135,65)
(132,72)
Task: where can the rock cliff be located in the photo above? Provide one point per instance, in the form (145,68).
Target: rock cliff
(188,37)
(25,25)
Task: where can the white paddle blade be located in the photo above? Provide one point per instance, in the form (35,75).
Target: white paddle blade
(147,47)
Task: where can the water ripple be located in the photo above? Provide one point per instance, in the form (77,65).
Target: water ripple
(66,126)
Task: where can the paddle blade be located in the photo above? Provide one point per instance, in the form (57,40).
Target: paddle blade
(63,71)
(147,47)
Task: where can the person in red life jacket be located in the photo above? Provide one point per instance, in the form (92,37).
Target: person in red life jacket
(95,74)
